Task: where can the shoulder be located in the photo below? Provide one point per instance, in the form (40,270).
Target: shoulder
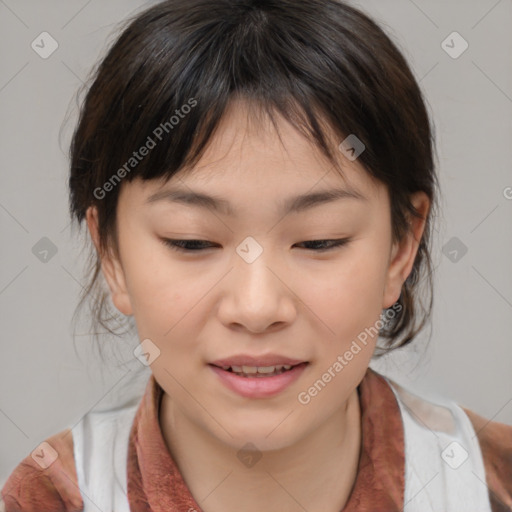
(496,445)
(45,479)
(442,416)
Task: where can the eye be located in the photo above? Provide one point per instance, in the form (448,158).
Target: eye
(325,245)
(200,245)
(186,245)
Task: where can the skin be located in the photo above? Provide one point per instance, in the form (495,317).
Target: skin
(291,300)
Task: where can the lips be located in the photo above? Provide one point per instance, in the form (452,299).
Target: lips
(259,386)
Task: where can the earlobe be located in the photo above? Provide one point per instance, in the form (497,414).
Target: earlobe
(111,267)
(403,253)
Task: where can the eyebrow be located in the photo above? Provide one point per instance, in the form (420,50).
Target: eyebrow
(293,204)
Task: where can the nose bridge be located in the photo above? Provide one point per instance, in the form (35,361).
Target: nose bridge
(257,298)
(252,260)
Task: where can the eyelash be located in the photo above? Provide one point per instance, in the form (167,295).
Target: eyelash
(181,245)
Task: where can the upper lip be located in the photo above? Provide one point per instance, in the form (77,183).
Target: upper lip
(258,361)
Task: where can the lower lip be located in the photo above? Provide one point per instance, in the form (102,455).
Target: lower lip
(259,387)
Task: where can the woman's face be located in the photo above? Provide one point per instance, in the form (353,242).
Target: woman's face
(256,289)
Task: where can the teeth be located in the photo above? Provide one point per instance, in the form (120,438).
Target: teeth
(265,369)
(252,370)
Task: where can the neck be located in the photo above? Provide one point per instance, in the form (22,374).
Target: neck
(315,473)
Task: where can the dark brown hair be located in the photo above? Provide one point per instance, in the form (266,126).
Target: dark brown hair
(316,62)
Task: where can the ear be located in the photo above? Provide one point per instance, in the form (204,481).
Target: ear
(110,266)
(403,253)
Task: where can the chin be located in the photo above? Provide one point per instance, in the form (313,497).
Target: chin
(264,435)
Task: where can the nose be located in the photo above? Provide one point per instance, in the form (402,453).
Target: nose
(257,297)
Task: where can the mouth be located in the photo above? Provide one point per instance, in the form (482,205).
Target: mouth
(258,381)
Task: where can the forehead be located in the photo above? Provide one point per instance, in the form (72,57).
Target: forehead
(247,142)
(248,152)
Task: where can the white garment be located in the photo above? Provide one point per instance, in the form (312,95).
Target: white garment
(101,456)
(100,444)
(444,468)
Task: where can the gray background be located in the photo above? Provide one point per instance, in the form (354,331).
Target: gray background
(45,387)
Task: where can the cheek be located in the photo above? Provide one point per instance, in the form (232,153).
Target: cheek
(347,297)
(164,309)
(160,292)
(163,302)
(349,307)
